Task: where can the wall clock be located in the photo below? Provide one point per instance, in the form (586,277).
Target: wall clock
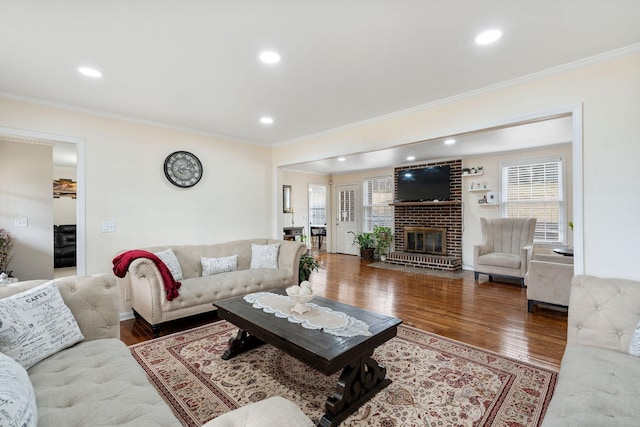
(182,169)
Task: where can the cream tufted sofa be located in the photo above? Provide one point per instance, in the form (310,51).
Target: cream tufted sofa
(599,382)
(198,293)
(98,382)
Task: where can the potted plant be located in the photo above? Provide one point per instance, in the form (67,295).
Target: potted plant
(365,241)
(383,238)
(6,246)
(307,265)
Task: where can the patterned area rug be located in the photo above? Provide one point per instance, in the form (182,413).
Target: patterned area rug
(436,381)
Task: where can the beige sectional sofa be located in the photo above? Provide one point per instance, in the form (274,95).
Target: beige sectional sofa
(98,382)
(599,381)
(198,293)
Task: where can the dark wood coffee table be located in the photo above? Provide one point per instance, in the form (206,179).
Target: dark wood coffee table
(362,377)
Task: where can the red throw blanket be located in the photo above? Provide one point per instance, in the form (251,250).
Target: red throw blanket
(121,265)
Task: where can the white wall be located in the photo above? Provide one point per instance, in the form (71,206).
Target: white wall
(125,182)
(472,233)
(26,192)
(609,92)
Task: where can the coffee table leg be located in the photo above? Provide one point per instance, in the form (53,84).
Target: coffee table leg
(241,343)
(358,383)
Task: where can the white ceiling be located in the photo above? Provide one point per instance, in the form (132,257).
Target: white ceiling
(193,64)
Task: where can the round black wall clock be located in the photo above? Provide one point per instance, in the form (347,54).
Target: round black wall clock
(183,169)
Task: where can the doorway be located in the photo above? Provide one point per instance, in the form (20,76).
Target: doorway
(318,217)
(346,218)
(75,145)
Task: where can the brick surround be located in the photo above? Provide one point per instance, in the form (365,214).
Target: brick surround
(432,215)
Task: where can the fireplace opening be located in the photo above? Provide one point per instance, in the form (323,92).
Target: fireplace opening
(424,240)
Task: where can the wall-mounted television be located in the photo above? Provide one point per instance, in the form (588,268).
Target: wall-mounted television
(424,184)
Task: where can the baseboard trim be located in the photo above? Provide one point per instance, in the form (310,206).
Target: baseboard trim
(127,315)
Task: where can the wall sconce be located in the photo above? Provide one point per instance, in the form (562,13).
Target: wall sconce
(286,199)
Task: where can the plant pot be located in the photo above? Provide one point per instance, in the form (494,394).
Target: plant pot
(383,258)
(367,253)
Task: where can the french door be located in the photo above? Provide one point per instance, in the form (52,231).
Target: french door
(346,218)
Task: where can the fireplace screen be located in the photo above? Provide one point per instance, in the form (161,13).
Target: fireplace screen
(426,240)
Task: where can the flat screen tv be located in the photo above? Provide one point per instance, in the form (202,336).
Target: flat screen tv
(425,184)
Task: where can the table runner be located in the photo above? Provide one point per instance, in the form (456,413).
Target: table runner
(323,318)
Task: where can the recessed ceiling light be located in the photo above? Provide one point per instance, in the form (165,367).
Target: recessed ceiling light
(90,72)
(450,141)
(270,57)
(488,37)
(266,120)
(341,159)
(410,158)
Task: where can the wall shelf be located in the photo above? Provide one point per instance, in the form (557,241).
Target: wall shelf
(473,174)
(479,189)
(488,204)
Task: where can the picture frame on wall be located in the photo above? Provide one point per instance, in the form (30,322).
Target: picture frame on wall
(64,187)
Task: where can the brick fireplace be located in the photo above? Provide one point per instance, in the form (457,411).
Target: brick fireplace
(429,234)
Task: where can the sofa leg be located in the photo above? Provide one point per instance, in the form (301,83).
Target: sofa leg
(475,275)
(530,304)
(136,314)
(155,329)
(490,278)
(522,283)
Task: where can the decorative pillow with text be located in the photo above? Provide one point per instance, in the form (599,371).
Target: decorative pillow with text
(17,398)
(264,256)
(218,265)
(36,324)
(171,261)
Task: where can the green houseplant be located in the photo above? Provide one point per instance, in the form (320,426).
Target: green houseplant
(383,238)
(365,241)
(307,265)
(6,246)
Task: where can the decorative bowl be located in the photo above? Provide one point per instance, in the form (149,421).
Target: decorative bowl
(301,301)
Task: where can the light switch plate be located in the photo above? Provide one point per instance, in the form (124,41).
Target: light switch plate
(109,226)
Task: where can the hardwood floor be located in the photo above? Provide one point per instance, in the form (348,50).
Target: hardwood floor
(490,315)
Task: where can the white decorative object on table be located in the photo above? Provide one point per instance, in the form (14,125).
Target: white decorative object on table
(301,295)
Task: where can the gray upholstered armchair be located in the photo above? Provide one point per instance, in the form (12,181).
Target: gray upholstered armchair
(505,249)
(549,277)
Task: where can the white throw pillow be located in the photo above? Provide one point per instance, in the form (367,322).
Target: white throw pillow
(17,398)
(264,256)
(218,265)
(36,324)
(171,261)
(634,346)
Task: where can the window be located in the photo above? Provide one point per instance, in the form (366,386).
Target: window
(535,189)
(317,205)
(378,193)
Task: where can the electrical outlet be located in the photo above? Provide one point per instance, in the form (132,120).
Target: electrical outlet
(109,226)
(21,222)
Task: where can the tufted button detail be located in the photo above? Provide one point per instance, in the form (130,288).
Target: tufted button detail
(599,308)
(619,333)
(72,288)
(93,307)
(579,326)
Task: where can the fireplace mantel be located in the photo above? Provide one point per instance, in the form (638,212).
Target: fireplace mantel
(445,202)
